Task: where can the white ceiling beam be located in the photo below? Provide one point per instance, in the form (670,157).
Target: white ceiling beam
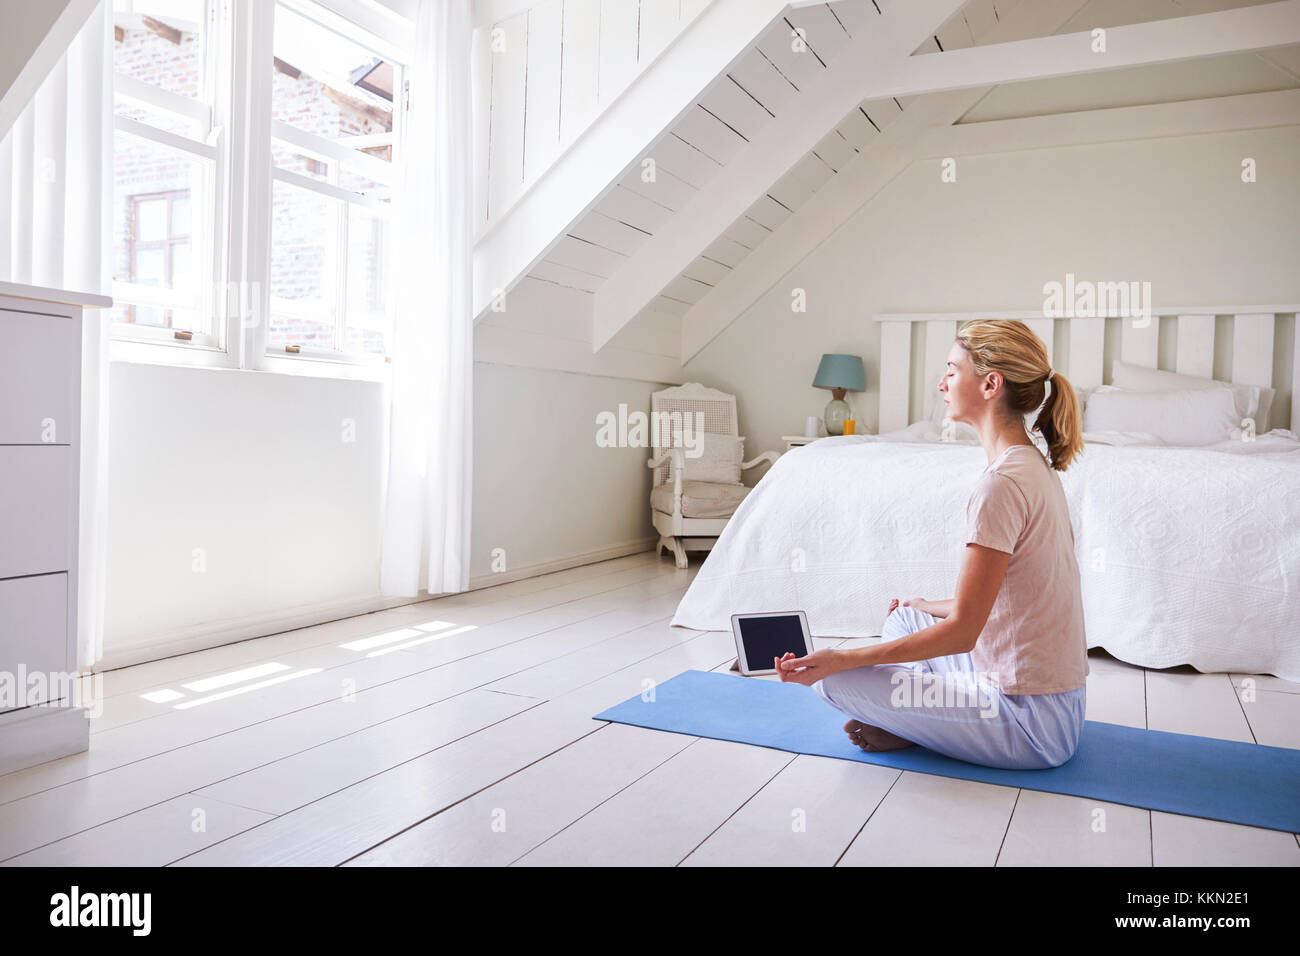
(39,36)
(1218,114)
(650,106)
(777,147)
(855,185)
(1244,30)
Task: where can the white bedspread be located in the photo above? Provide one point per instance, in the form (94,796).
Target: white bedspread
(1187,555)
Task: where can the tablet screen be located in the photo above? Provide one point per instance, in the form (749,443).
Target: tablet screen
(766,638)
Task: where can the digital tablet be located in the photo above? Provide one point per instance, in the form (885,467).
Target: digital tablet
(760,638)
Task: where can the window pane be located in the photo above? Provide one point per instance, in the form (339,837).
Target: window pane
(327,84)
(160,119)
(150,180)
(368,278)
(160,42)
(180,217)
(150,219)
(285,157)
(363,185)
(304,231)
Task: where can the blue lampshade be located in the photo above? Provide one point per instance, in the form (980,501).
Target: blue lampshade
(841,371)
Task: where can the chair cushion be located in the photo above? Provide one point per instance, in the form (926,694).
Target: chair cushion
(700,499)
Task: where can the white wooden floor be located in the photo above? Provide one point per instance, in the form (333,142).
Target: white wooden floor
(477,746)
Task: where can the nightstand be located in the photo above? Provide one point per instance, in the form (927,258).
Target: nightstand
(794,441)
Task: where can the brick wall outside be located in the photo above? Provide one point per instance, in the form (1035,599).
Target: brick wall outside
(302,222)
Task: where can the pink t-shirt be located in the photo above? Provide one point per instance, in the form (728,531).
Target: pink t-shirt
(1034,640)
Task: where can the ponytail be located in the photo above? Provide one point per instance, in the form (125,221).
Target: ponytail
(1059,423)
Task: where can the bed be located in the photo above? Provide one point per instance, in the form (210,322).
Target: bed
(1187,555)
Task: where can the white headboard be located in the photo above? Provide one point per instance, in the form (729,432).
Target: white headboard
(1084,364)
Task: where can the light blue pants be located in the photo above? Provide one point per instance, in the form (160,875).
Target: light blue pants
(945,705)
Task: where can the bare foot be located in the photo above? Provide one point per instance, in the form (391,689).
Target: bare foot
(874,739)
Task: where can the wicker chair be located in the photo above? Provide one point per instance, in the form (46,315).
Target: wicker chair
(689,515)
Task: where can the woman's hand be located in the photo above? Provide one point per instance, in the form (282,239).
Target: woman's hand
(809,670)
(919,603)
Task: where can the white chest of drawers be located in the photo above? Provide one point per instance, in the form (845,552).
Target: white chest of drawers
(40,447)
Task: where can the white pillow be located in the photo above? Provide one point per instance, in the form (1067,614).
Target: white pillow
(719,459)
(1199,416)
(1252,401)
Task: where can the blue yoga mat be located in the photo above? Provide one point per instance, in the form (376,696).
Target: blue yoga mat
(1178,773)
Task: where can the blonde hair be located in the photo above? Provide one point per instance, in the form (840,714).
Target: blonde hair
(1011,348)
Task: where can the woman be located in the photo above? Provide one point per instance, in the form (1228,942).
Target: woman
(996,674)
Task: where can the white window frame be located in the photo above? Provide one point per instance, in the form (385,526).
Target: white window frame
(240,132)
(137,343)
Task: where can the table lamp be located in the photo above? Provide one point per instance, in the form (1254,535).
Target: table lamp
(839,373)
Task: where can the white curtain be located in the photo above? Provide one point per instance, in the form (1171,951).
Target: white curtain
(56,203)
(427,517)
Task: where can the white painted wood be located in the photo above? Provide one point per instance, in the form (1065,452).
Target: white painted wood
(1178,840)
(1252,349)
(1086,363)
(619,41)
(1139,340)
(804,178)
(805,816)
(800,67)
(634,209)
(40,55)
(927,820)
(720,776)
(1026,315)
(728,102)
(895,376)
(33,628)
(1295,376)
(1115,124)
(37,526)
(685,289)
(585,256)
(684,161)
(542,87)
(35,735)
(506,138)
(825,35)
(768,212)
(756,75)
(613,235)
(857,129)
(764,159)
(659,23)
(939,337)
(51,301)
(857,16)
(664,188)
(727,251)
(1195,345)
(709,135)
(1244,30)
(955,33)
(150,837)
(580,67)
(747,232)
(534,804)
(566,276)
(706,270)
(835,151)
(1045,330)
(516,238)
(980,17)
(1053,829)
(38,373)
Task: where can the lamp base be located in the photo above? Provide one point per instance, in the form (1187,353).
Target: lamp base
(836,411)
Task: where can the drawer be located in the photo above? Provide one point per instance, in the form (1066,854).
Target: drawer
(34,628)
(40,366)
(36,509)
